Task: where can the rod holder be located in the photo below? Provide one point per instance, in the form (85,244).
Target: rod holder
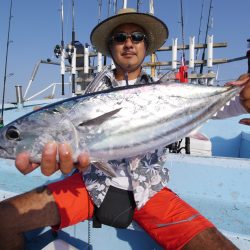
(19,96)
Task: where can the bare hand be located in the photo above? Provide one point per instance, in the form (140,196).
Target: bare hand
(49,164)
(244,80)
(245,121)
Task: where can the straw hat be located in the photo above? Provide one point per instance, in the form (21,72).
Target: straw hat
(156,30)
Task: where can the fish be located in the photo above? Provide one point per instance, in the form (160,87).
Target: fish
(117,123)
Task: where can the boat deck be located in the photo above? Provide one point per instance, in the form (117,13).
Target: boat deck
(218,187)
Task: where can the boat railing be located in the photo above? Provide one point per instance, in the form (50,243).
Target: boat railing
(51,86)
(33,75)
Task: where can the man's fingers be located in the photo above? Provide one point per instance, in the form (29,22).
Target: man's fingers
(245,121)
(65,158)
(237,83)
(242,80)
(48,163)
(244,76)
(23,163)
(83,161)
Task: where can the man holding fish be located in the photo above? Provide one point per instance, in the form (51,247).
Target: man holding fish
(137,188)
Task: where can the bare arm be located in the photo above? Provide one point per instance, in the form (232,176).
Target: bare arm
(244,80)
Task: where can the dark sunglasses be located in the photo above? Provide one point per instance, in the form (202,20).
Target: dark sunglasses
(122,37)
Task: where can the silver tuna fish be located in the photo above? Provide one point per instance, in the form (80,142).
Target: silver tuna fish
(116,123)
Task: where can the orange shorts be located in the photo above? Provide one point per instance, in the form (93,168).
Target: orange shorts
(170,221)
(165,217)
(72,199)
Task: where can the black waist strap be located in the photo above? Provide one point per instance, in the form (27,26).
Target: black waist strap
(116,210)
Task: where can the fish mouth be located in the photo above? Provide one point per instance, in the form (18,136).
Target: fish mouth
(1,148)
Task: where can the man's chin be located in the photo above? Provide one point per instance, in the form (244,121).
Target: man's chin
(131,68)
(129,65)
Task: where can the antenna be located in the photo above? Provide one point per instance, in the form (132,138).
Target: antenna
(6,64)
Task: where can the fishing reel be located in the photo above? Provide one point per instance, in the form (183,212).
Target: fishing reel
(79,51)
(69,49)
(58,51)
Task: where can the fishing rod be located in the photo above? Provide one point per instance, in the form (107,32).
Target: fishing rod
(182,35)
(151,7)
(183,74)
(124,4)
(6,64)
(199,32)
(203,54)
(62,50)
(73,50)
(109,7)
(139,2)
(99,10)
(115,6)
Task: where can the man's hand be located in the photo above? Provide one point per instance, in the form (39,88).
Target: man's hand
(245,121)
(245,93)
(49,164)
(244,80)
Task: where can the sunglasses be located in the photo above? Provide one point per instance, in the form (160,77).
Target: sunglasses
(122,37)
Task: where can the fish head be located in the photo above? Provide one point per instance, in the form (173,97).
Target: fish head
(28,134)
(15,139)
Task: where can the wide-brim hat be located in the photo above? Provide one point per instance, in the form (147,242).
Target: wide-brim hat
(156,30)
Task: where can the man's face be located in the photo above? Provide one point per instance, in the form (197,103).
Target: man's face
(128,55)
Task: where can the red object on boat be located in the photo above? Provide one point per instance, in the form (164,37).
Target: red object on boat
(182,74)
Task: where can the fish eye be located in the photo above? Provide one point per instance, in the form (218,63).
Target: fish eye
(12,133)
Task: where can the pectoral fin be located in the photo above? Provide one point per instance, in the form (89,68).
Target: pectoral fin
(100,119)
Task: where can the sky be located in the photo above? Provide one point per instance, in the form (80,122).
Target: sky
(35,29)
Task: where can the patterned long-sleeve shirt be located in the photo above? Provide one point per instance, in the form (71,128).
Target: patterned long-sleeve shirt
(145,173)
